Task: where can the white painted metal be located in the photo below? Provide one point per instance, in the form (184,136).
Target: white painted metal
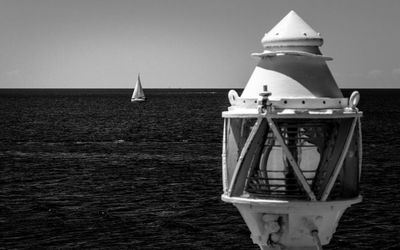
(325,215)
(360,151)
(267,53)
(293,114)
(291,81)
(224,167)
(354,99)
(290,103)
(292,64)
(292,30)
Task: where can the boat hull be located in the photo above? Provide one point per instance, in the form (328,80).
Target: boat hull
(138,100)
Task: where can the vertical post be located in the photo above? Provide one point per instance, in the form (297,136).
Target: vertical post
(360,152)
(224,167)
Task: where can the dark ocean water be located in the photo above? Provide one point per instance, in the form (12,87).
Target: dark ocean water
(88,169)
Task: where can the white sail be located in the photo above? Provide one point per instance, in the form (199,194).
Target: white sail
(138,94)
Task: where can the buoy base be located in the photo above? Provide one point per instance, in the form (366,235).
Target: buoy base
(279,224)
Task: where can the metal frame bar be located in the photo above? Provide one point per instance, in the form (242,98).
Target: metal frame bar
(295,115)
(360,151)
(224,166)
(243,154)
(339,164)
(300,177)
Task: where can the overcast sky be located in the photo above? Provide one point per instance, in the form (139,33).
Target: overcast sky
(185,43)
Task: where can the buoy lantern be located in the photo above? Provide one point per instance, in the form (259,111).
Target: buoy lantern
(292,146)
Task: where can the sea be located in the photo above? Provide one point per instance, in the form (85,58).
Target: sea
(88,169)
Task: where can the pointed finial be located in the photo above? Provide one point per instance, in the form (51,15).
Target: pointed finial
(292,30)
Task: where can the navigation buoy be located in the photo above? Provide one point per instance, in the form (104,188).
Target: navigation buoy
(291,159)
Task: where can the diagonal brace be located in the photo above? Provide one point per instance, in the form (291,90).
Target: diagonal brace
(243,166)
(299,175)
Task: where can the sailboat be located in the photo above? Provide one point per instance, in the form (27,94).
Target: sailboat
(138,94)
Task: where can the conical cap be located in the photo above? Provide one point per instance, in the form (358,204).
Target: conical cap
(292,30)
(292,65)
